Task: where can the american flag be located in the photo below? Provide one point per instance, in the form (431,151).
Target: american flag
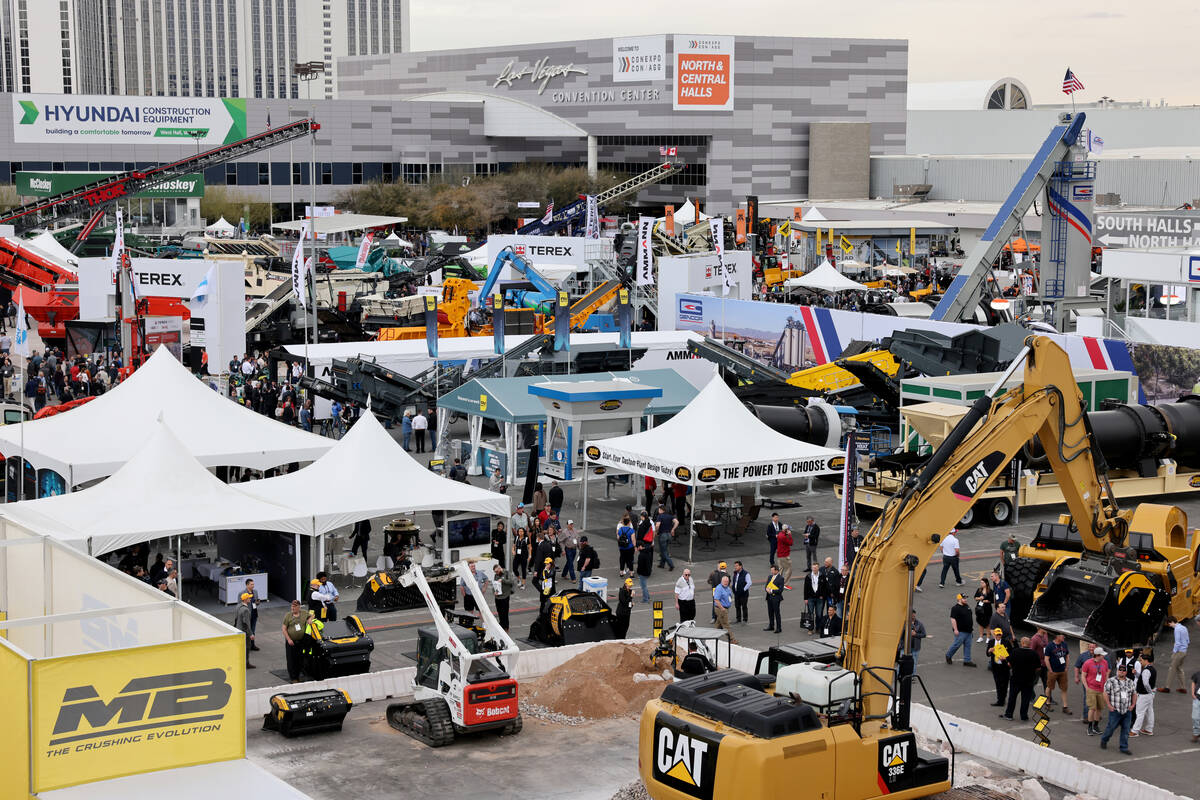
(546,220)
(1071,84)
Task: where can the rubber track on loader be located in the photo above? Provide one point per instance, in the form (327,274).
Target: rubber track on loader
(437,715)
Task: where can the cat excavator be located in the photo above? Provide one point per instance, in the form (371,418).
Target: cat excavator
(840,726)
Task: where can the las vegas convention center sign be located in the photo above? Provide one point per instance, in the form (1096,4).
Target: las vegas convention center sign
(702,74)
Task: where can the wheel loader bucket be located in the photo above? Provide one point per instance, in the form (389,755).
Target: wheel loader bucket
(598,630)
(1098,605)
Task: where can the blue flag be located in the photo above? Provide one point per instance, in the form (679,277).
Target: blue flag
(562,323)
(624,319)
(497,301)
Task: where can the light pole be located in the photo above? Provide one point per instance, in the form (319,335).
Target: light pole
(308,71)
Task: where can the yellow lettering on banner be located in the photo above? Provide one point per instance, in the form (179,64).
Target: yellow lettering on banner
(121,712)
(912,241)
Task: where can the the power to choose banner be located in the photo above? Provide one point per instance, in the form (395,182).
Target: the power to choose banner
(61,118)
(703,73)
(108,714)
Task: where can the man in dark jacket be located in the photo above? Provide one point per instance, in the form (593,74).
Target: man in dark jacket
(624,609)
(773,531)
(1024,665)
(816,596)
(362,535)
(831,623)
(499,543)
(589,560)
(812,533)
(645,567)
(555,497)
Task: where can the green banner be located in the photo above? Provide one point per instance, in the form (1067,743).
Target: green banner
(44,184)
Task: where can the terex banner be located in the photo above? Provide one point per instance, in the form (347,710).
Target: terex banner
(41,118)
(45,184)
(540,250)
(112,713)
(703,73)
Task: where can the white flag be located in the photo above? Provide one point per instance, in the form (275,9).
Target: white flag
(592,227)
(645,255)
(118,241)
(716,227)
(363,250)
(205,286)
(549,217)
(21,345)
(298,276)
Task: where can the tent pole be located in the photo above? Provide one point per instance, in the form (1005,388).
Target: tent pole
(691,516)
(585,476)
(299,590)
(179,565)
(320,551)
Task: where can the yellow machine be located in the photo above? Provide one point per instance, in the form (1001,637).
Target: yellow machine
(841,730)
(830,377)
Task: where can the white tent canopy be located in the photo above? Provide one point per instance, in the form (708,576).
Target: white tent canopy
(221,228)
(392,240)
(162,491)
(826,278)
(686,215)
(95,439)
(813,214)
(368,475)
(45,244)
(715,439)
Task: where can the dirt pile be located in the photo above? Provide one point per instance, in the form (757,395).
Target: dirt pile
(597,684)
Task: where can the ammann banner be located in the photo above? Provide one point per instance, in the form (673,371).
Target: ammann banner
(39,118)
(107,714)
(45,184)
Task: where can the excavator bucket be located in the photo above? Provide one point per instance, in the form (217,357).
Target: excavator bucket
(1102,602)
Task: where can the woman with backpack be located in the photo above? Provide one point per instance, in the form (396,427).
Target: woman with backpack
(625,546)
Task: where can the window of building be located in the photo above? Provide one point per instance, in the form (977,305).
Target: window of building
(389,174)
(231,174)
(297,174)
(414,173)
(326,173)
(264,174)
(996,99)
(1016,98)
(356,173)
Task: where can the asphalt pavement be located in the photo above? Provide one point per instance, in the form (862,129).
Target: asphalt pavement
(1162,760)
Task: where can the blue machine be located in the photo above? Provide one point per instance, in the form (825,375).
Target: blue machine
(542,299)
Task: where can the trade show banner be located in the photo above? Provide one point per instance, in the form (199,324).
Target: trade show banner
(794,337)
(639,58)
(697,272)
(108,714)
(80,119)
(703,73)
(608,456)
(14,734)
(45,184)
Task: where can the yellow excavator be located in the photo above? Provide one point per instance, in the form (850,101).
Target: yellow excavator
(841,729)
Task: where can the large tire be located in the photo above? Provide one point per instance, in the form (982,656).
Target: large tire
(1023,576)
(998,510)
(968,519)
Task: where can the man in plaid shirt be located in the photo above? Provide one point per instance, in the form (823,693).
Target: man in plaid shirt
(1118,696)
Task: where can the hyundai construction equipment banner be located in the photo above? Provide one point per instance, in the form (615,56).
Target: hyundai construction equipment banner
(39,118)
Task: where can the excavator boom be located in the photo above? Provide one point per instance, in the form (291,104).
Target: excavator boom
(1048,405)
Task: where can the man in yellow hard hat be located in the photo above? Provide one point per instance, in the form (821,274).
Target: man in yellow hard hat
(546,576)
(241,621)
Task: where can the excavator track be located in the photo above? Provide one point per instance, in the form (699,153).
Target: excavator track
(427,721)
(970,793)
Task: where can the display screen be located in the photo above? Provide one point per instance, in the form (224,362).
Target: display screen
(468,531)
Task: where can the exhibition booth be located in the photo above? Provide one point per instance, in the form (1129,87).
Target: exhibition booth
(65,451)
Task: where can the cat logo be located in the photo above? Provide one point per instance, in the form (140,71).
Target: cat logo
(683,474)
(708,475)
(592,452)
(684,758)
(837,462)
(895,756)
(1194,481)
(974,482)
(610,405)
(483,402)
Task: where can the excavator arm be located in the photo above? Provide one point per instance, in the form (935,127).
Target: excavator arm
(1048,405)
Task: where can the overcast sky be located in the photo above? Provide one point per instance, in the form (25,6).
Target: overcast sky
(1126,50)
